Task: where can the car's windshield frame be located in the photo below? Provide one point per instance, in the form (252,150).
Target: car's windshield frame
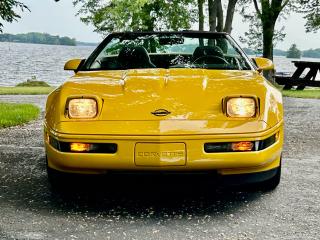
(86,65)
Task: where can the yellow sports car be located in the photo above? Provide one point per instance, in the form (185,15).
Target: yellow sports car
(181,102)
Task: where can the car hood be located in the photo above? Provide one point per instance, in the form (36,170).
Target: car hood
(192,97)
(187,94)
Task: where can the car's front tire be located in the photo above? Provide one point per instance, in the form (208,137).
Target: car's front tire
(259,181)
(271,183)
(57,180)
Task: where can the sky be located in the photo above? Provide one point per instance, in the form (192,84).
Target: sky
(58,18)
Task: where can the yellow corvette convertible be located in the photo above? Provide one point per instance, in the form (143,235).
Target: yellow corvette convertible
(181,102)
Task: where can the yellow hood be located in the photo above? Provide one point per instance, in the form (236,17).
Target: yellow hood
(194,95)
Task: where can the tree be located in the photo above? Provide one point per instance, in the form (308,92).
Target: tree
(38,38)
(293,52)
(254,37)
(268,12)
(201,14)
(229,17)
(136,15)
(217,22)
(312,10)
(7,11)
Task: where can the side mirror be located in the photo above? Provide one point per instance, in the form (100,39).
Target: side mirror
(263,64)
(72,64)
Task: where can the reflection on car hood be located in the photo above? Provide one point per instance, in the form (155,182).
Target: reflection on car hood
(185,93)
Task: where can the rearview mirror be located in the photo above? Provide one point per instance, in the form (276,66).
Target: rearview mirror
(263,64)
(72,64)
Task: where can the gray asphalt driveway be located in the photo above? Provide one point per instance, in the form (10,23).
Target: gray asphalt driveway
(161,210)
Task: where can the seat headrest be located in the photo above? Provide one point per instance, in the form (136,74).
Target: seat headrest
(207,50)
(134,57)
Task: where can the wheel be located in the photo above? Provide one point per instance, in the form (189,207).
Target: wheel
(57,180)
(271,183)
(69,183)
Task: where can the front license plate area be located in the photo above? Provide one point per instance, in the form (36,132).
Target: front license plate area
(160,154)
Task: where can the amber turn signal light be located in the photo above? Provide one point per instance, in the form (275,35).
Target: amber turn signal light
(80,147)
(242,146)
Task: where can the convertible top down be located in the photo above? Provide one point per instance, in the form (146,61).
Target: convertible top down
(167,101)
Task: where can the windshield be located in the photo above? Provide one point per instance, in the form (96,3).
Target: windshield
(136,51)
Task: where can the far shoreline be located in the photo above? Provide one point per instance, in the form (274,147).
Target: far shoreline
(45,44)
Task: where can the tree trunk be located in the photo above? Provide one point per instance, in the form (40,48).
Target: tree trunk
(268,32)
(269,14)
(230,14)
(201,19)
(212,8)
(201,15)
(219,16)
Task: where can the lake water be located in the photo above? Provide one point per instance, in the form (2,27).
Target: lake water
(22,61)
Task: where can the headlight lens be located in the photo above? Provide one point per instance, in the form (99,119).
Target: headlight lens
(241,107)
(82,108)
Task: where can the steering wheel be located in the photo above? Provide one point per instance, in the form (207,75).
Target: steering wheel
(236,62)
(209,59)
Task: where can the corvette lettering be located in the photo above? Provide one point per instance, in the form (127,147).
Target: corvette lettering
(161,154)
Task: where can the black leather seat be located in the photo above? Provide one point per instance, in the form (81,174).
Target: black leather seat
(203,51)
(134,57)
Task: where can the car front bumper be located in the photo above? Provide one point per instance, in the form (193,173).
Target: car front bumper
(224,163)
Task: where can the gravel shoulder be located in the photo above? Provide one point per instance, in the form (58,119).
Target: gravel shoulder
(174,210)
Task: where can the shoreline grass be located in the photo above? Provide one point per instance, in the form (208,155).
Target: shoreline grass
(26,90)
(314,93)
(33,83)
(12,114)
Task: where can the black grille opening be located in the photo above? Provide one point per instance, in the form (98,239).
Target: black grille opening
(267,142)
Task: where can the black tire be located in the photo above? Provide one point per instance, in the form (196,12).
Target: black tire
(55,179)
(68,183)
(271,183)
(58,181)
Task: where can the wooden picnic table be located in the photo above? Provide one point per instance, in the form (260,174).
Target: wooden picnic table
(301,81)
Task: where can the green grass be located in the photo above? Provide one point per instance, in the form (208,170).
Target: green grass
(314,93)
(33,83)
(25,90)
(12,114)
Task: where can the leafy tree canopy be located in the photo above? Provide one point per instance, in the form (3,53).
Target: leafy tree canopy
(253,38)
(312,10)
(8,11)
(124,15)
(263,33)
